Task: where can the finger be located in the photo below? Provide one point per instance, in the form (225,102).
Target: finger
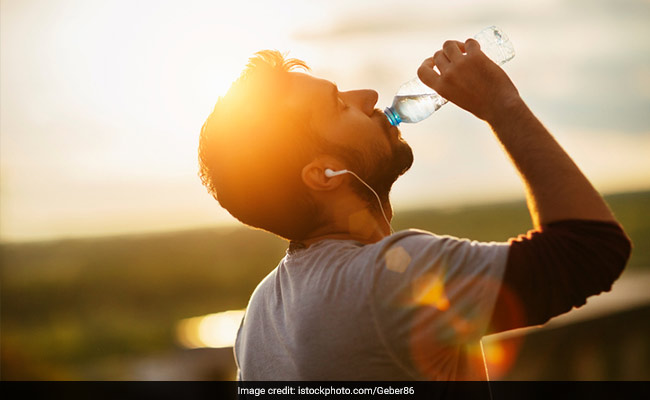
(427,74)
(441,61)
(472,46)
(453,50)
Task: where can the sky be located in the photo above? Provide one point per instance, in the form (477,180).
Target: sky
(101,102)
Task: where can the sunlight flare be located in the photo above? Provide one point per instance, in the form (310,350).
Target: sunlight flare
(217,330)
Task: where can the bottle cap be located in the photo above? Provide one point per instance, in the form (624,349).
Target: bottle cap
(392,116)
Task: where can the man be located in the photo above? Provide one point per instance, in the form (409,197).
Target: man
(289,153)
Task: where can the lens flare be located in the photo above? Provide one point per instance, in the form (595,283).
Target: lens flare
(429,290)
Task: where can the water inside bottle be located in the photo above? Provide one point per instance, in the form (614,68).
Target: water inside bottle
(416,107)
(415,101)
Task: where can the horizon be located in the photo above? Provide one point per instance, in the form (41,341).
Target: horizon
(237,225)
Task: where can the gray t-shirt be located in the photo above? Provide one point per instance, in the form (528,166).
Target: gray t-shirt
(412,306)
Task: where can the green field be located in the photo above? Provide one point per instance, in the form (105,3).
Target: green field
(70,304)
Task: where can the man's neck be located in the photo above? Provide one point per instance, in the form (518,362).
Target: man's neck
(361,225)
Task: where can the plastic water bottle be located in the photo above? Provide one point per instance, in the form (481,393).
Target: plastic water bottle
(416,101)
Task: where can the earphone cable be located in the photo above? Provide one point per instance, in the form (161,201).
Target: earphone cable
(378,199)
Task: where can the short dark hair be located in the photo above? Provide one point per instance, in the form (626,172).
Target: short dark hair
(253,146)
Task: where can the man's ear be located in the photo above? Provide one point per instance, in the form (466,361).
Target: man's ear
(313,175)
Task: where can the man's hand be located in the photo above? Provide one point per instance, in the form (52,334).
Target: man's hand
(470,79)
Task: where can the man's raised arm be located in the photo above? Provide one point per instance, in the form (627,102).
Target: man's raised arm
(555,187)
(577,249)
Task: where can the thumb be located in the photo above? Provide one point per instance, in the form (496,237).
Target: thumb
(427,74)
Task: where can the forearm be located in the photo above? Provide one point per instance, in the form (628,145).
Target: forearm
(555,187)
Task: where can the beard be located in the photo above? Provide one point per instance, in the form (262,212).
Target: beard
(378,169)
(386,171)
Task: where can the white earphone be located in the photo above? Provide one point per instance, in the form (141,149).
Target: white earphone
(331,173)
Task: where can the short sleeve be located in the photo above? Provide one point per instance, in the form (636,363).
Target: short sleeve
(433,295)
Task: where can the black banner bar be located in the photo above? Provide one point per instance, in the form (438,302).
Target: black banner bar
(329,390)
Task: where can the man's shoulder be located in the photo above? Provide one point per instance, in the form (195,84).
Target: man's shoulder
(413,247)
(418,237)
(265,284)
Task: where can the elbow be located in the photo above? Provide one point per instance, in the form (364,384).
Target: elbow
(614,256)
(624,252)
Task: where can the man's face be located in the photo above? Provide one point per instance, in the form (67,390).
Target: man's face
(355,131)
